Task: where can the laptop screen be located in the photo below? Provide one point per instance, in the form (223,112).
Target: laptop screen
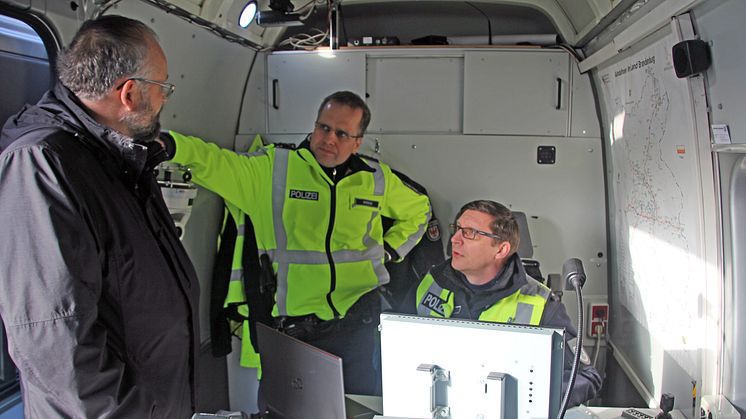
(299,381)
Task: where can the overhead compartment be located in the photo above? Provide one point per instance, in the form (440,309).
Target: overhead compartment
(298,82)
(522,92)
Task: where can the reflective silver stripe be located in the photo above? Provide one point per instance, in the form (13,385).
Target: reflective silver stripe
(261,152)
(379,180)
(381,272)
(374,250)
(240,230)
(279,185)
(435,289)
(523,313)
(412,240)
(368,241)
(534,287)
(309,257)
(236,274)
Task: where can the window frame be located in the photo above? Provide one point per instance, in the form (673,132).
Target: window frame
(10,388)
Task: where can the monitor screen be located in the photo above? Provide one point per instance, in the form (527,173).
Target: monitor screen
(472,369)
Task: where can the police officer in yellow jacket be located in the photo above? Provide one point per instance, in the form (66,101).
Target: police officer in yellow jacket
(485,280)
(317,213)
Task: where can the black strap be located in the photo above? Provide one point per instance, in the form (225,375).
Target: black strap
(259,282)
(220,333)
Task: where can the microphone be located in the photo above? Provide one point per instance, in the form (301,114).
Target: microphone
(573,273)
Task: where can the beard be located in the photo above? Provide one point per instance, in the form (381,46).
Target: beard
(144,125)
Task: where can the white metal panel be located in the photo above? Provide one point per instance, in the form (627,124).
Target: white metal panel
(253,118)
(522,92)
(723,27)
(584,119)
(298,82)
(564,202)
(415,94)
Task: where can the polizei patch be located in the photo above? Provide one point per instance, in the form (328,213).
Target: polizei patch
(307,195)
(434,303)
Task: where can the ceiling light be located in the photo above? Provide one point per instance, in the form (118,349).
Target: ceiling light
(247,14)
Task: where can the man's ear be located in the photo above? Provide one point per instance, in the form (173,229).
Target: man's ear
(358,143)
(503,250)
(129,95)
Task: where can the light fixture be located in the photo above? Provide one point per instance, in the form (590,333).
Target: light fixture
(267,18)
(281,14)
(247,14)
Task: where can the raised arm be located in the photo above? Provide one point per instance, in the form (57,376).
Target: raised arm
(237,178)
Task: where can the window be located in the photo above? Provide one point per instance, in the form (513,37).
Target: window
(24,64)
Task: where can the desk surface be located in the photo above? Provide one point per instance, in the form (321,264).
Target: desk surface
(583,412)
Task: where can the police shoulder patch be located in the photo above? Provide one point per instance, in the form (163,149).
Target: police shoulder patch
(434,303)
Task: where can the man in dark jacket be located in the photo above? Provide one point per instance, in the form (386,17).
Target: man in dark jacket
(485,280)
(99,298)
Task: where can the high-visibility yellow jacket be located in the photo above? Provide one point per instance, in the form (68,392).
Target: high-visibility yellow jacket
(443,293)
(236,295)
(325,240)
(513,297)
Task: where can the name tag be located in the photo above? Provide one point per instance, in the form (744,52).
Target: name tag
(365,203)
(306,195)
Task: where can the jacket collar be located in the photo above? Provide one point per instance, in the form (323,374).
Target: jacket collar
(133,155)
(353,165)
(511,278)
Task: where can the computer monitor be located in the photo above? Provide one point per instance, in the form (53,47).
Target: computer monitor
(473,369)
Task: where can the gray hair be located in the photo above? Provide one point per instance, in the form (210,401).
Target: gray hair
(103,51)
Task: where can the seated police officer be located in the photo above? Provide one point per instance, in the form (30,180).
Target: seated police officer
(485,280)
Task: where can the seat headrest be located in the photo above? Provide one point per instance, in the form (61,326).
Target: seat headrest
(526,247)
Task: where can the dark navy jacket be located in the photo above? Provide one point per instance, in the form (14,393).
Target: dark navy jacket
(99,298)
(474,300)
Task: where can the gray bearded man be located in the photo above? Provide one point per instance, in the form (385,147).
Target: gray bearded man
(99,297)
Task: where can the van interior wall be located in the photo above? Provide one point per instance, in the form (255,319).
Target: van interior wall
(720,24)
(426,123)
(642,319)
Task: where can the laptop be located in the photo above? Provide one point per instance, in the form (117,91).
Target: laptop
(300,381)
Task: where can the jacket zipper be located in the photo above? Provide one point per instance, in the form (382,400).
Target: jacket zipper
(332,269)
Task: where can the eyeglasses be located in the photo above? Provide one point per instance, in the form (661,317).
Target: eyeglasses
(341,134)
(471,233)
(166,88)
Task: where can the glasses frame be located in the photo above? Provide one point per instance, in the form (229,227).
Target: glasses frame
(455,228)
(167,89)
(342,135)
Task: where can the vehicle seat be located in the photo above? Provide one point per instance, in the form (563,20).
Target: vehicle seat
(526,248)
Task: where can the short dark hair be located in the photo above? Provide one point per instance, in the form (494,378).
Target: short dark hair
(103,51)
(352,100)
(503,222)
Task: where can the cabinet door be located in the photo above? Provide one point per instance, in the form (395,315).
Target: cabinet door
(516,92)
(415,94)
(298,82)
